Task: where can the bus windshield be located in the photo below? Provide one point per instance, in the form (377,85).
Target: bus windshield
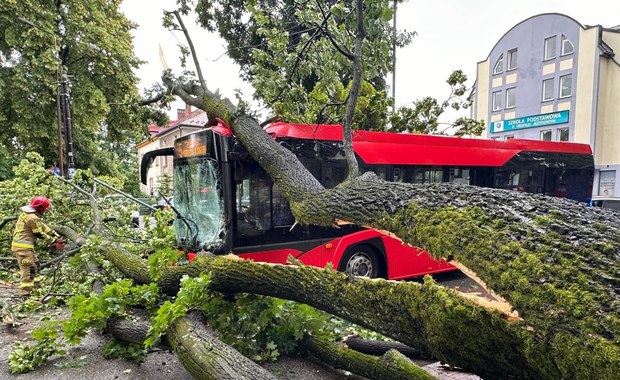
(197,199)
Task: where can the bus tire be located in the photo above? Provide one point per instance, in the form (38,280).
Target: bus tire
(361,261)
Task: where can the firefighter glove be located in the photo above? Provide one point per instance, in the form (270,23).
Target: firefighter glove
(59,245)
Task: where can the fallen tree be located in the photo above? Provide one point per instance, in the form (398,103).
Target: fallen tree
(554,261)
(440,321)
(199,348)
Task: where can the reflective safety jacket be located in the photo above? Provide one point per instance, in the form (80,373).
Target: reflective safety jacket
(28,227)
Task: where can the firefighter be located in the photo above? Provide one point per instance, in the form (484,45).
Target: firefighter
(27,229)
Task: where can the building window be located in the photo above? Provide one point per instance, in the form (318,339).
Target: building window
(497,101)
(549,48)
(499,65)
(165,159)
(566,85)
(547,89)
(567,46)
(511,97)
(512,60)
(509,137)
(607,182)
(545,135)
(562,134)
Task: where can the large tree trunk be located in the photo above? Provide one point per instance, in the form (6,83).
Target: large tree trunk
(198,348)
(556,261)
(424,316)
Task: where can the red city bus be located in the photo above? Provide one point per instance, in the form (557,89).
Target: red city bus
(227,203)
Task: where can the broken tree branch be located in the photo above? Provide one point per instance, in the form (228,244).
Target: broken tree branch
(356,82)
(191,48)
(391,365)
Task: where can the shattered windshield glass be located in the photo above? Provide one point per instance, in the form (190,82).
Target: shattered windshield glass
(197,199)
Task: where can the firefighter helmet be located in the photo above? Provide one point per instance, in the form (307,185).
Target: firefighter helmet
(40,204)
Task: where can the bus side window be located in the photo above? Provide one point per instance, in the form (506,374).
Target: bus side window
(282,215)
(404,174)
(431,175)
(253,203)
(506,179)
(459,175)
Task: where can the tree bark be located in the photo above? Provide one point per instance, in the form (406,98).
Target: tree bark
(556,261)
(197,347)
(206,357)
(132,328)
(392,365)
(424,316)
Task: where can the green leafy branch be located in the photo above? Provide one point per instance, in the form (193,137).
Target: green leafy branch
(25,357)
(87,312)
(194,292)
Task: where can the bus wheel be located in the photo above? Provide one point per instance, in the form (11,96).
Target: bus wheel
(362,261)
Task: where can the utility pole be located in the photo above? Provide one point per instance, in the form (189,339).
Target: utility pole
(60,100)
(65,107)
(61,163)
(394,62)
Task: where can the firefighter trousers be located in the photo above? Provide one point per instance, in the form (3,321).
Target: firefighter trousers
(29,267)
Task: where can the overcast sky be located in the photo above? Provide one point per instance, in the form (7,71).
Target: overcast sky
(452,34)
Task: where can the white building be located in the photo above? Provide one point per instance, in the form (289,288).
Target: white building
(187,121)
(551,78)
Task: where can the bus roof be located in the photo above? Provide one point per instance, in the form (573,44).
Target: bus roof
(417,149)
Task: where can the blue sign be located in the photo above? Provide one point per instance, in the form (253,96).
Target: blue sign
(533,121)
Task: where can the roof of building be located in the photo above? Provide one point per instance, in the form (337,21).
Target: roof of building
(606,49)
(197,118)
(153,129)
